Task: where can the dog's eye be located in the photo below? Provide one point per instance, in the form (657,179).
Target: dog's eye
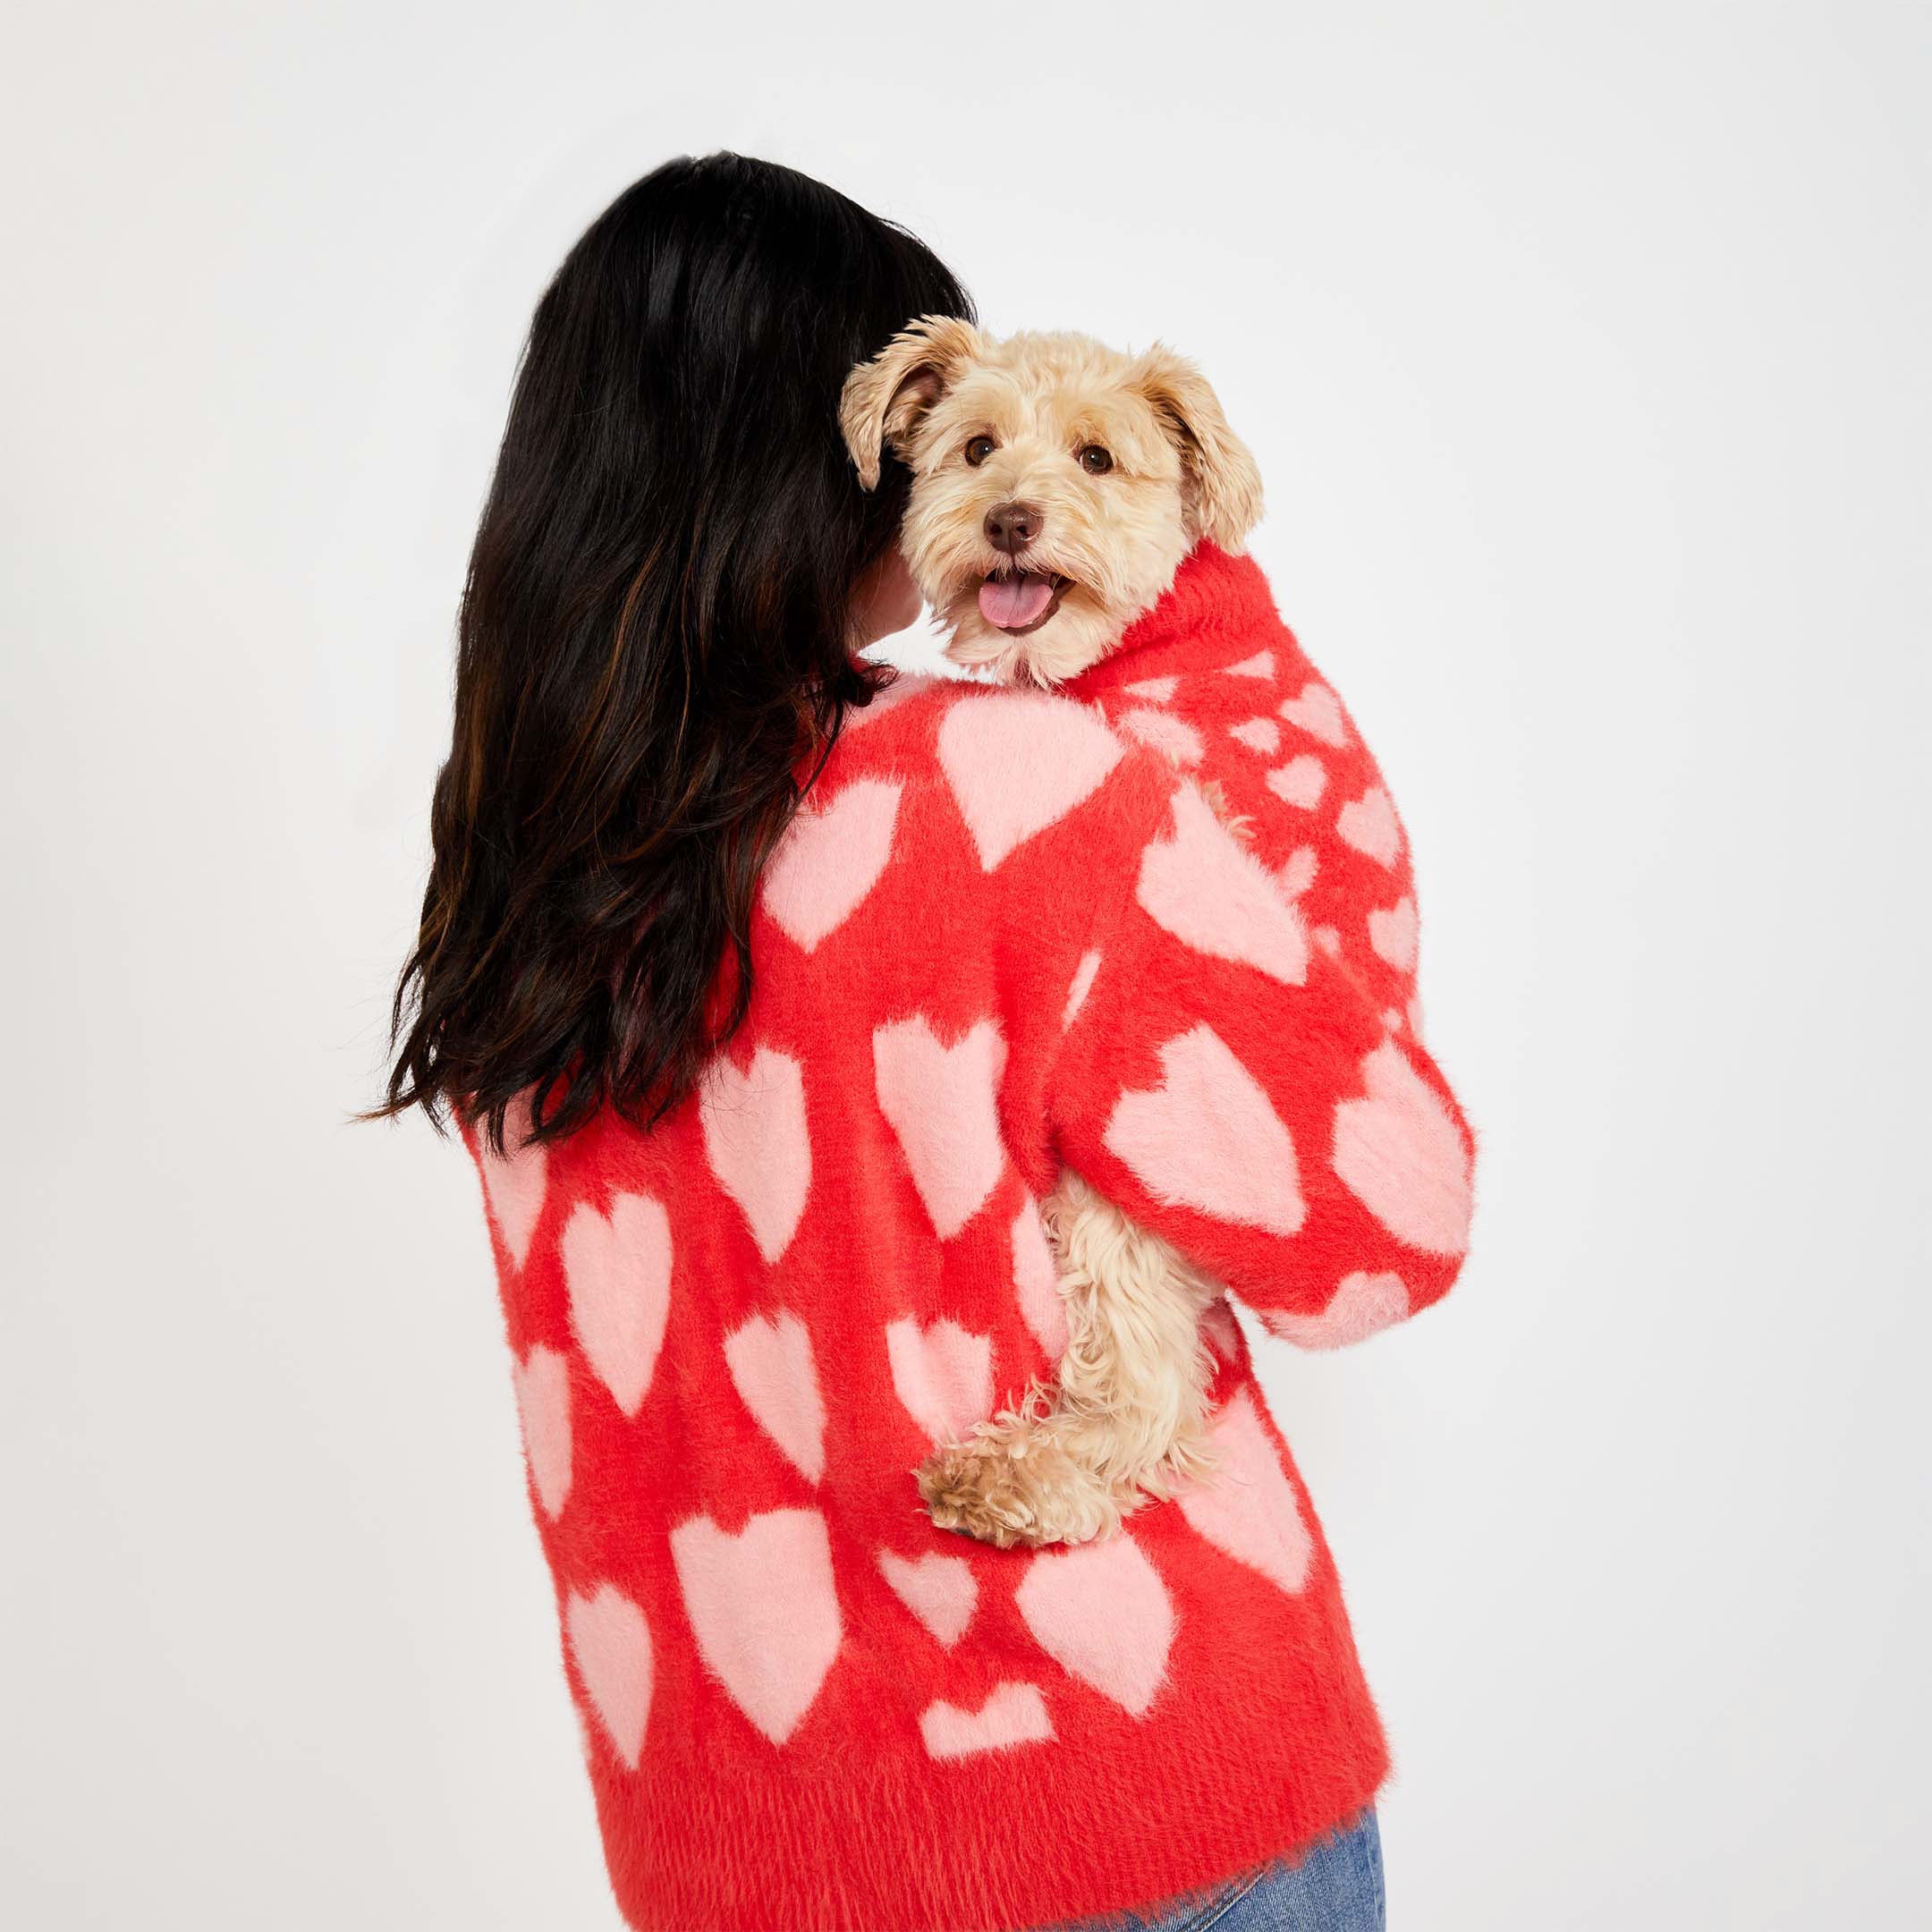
(979,449)
(1095,461)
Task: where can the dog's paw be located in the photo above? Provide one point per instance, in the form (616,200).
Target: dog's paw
(1008,1489)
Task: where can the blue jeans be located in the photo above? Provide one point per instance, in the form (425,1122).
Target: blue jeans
(1336,1885)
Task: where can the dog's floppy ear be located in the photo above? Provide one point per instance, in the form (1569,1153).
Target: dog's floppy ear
(884,398)
(1224,485)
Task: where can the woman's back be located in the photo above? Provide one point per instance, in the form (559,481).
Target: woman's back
(738,1334)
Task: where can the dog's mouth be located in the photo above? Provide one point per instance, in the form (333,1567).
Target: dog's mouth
(1022,601)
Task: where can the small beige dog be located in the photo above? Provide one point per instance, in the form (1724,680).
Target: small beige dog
(1057,486)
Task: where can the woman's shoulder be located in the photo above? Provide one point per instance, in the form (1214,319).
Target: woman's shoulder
(1015,767)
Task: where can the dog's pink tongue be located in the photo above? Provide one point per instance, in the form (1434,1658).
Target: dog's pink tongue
(1013,603)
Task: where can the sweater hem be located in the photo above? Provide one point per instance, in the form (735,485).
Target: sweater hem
(1002,1843)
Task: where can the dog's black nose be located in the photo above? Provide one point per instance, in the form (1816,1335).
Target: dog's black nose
(1010,526)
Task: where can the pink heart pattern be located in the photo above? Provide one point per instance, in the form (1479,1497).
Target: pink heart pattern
(758,1144)
(1300,781)
(829,860)
(1249,1510)
(1208,1137)
(1363,1305)
(542,1381)
(618,1274)
(1369,825)
(1317,711)
(1155,689)
(1397,1150)
(938,1590)
(764,1611)
(1102,1613)
(1019,763)
(1012,1714)
(1260,665)
(1393,934)
(943,1375)
(1212,894)
(514,1182)
(1162,732)
(1261,735)
(941,1103)
(770,1360)
(611,1643)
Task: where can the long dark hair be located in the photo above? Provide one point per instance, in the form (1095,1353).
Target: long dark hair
(654,643)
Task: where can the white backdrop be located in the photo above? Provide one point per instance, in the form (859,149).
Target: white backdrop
(1584,351)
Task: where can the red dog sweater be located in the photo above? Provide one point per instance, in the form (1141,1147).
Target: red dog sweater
(1002,937)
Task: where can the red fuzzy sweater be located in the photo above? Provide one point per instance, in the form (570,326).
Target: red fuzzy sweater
(1003,936)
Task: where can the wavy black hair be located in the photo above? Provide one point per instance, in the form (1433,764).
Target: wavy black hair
(655,642)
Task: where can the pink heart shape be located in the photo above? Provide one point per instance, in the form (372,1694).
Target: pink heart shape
(1393,934)
(1248,1508)
(1317,711)
(542,1380)
(764,1610)
(1300,781)
(1260,665)
(942,1102)
(514,1182)
(938,1590)
(611,1646)
(771,1366)
(1102,1613)
(1369,825)
(942,1374)
(1155,689)
(1012,1714)
(757,1144)
(829,860)
(1261,735)
(1017,763)
(618,1273)
(1208,1137)
(1363,1305)
(1212,894)
(1160,731)
(1399,1152)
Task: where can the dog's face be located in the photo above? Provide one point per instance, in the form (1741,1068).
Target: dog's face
(1056,485)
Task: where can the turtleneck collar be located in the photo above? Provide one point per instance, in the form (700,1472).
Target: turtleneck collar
(1217,603)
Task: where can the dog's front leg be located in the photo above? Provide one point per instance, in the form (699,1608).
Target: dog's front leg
(1126,1419)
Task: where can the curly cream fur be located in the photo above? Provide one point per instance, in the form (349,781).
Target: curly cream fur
(1126,1417)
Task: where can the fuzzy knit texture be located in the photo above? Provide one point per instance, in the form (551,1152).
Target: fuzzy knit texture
(1007,933)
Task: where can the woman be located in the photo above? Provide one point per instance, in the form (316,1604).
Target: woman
(770,1009)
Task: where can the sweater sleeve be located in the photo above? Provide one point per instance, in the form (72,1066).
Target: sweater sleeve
(1239,1090)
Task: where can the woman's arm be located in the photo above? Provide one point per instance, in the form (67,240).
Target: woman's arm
(1242,1093)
